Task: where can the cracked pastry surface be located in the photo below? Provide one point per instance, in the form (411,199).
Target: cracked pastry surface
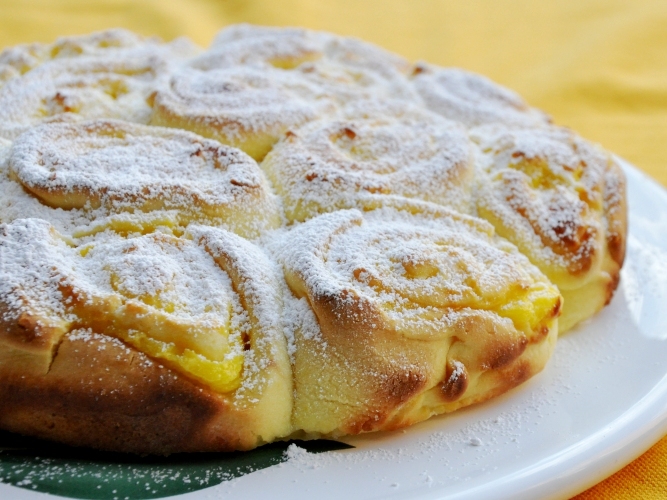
(291,234)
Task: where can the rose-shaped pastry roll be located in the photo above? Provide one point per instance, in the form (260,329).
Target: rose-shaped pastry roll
(124,167)
(418,311)
(238,93)
(87,77)
(255,83)
(346,68)
(386,148)
(562,202)
(472,99)
(113,42)
(171,344)
(245,107)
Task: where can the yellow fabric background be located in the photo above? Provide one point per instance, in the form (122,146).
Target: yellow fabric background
(598,66)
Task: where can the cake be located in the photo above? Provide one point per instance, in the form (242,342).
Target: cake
(291,234)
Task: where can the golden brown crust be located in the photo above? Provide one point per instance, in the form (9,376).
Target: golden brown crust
(64,376)
(96,382)
(379,382)
(361,365)
(616,212)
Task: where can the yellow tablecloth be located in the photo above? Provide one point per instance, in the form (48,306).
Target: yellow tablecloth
(598,66)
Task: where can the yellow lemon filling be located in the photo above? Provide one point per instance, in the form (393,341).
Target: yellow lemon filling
(533,309)
(222,376)
(142,295)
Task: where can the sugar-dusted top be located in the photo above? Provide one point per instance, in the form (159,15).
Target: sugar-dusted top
(418,264)
(117,163)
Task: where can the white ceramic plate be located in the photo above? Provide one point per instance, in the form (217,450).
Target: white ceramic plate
(601,402)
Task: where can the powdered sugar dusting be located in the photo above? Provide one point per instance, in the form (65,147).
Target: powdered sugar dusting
(107,166)
(346,125)
(22,58)
(255,83)
(473,99)
(163,266)
(122,163)
(544,188)
(234,102)
(102,84)
(33,270)
(247,44)
(16,203)
(113,42)
(420,271)
(380,148)
(186,298)
(258,283)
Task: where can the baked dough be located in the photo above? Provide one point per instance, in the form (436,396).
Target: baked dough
(374,148)
(255,83)
(14,61)
(205,308)
(107,75)
(122,167)
(473,99)
(417,311)
(557,197)
(23,58)
(292,234)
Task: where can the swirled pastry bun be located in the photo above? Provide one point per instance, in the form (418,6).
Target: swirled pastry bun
(561,200)
(472,99)
(242,94)
(305,51)
(17,203)
(388,148)
(118,83)
(22,58)
(256,83)
(245,107)
(417,311)
(120,42)
(123,167)
(25,57)
(199,321)
(284,48)
(113,42)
